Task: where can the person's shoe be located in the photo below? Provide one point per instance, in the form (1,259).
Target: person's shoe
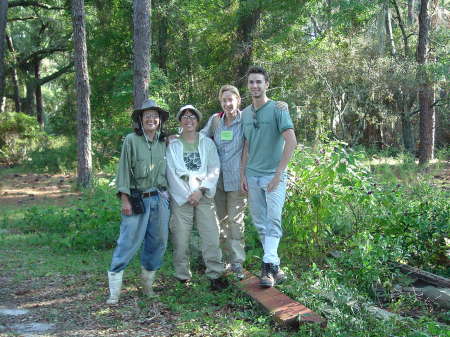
(267,279)
(115,285)
(148,277)
(185,282)
(278,274)
(218,283)
(238,271)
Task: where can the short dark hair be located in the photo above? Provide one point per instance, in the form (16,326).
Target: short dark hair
(258,70)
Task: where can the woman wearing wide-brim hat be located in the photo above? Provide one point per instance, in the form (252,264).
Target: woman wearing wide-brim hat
(142,166)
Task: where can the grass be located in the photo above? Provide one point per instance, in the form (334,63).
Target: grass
(68,287)
(62,283)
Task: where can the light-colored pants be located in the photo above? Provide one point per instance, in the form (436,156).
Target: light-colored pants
(151,228)
(230,208)
(208,229)
(265,209)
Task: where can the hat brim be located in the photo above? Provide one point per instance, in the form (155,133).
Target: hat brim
(164,115)
(195,111)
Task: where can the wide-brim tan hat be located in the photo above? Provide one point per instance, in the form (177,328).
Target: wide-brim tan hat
(192,108)
(149,104)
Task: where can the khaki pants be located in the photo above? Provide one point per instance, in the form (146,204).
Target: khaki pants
(208,229)
(230,211)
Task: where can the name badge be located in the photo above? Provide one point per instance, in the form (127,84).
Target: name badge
(226,135)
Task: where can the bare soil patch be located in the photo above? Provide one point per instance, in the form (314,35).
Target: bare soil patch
(34,189)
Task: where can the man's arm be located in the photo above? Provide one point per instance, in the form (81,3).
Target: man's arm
(290,142)
(244,159)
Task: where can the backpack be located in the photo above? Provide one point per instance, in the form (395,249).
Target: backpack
(215,123)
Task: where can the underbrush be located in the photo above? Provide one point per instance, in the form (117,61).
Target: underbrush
(335,203)
(54,155)
(90,223)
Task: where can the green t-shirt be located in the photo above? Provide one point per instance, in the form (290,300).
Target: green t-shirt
(263,130)
(191,156)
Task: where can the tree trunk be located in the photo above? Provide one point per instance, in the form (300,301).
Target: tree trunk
(14,77)
(83,92)
(402,28)
(247,23)
(38,94)
(141,50)
(162,43)
(27,105)
(3,16)
(388,25)
(411,12)
(407,133)
(427,118)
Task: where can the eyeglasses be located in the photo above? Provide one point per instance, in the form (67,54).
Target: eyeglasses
(150,116)
(255,120)
(187,117)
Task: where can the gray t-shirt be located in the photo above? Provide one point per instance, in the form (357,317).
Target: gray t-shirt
(263,130)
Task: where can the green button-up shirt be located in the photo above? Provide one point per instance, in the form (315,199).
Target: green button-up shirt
(148,162)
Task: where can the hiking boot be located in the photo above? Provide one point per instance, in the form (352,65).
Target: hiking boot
(218,283)
(237,270)
(267,279)
(270,275)
(278,274)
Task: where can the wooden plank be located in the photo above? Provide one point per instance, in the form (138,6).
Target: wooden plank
(285,310)
(424,275)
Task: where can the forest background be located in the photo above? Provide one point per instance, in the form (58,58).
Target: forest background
(349,70)
(364,81)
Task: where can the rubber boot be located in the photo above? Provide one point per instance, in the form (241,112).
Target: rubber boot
(147,278)
(115,284)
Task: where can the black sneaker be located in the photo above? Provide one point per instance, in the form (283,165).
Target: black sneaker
(218,283)
(267,279)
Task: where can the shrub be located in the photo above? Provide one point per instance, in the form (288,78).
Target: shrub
(90,223)
(335,203)
(19,134)
(56,154)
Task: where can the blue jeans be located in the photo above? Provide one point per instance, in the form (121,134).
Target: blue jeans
(150,227)
(265,209)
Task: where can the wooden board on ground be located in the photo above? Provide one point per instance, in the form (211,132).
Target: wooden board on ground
(428,277)
(285,310)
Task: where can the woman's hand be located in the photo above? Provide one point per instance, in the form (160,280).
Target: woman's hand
(195,197)
(126,206)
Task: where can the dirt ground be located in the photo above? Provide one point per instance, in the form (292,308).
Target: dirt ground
(61,305)
(33,189)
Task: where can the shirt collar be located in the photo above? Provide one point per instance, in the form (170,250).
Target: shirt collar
(236,120)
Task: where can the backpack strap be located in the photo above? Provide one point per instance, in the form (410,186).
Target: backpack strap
(215,123)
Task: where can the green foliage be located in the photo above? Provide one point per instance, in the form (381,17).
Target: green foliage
(90,223)
(328,190)
(335,203)
(56,154)
(19,134)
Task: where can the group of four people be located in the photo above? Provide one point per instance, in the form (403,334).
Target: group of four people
(206,175)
